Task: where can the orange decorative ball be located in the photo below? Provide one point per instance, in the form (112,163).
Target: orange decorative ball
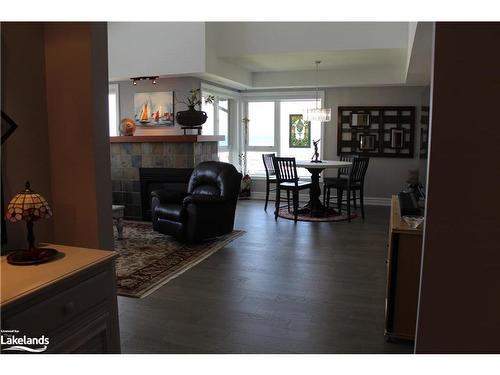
(127,126)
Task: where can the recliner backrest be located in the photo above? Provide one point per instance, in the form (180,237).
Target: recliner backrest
(215,178)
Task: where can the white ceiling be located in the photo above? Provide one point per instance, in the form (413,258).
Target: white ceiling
(297,61)
(257,55)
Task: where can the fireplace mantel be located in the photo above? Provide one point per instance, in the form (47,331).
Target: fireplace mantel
(167,138)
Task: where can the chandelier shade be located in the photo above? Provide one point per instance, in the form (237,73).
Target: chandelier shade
(318,114)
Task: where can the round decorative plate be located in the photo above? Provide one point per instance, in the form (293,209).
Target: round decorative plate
(22,257)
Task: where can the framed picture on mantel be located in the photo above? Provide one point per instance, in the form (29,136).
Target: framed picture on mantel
(153,109)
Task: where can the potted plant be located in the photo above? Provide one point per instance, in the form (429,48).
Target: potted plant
(246,181)
(193,118)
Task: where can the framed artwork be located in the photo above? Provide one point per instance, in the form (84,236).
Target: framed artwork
(367,142)
(397,138)
(154,109)
(360,120)
(8,126)
(300,132)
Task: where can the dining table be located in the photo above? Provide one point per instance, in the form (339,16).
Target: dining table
(315,207)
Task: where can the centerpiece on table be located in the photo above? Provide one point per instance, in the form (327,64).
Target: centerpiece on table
(193,118)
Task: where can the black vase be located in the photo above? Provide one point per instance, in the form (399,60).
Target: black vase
(191,117)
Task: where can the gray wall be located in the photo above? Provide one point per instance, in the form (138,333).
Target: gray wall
(385,176)
(180,86)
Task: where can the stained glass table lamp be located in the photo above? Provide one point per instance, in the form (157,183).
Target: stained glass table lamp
(29,206)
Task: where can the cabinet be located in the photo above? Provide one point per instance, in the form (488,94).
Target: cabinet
(71,301)
(403,276)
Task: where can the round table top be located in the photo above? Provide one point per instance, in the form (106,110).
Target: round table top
(324,164)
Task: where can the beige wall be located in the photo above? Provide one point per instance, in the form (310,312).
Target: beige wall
(25,156)
(76,71)
(54,85)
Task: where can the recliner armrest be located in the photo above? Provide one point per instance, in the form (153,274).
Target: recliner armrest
(166,196)
(203,199)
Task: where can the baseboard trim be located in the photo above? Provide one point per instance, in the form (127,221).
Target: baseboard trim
(369,201)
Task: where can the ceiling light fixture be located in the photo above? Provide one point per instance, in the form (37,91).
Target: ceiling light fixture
(318,114)
(153,79)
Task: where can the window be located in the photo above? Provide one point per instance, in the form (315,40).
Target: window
(208,126)
(261,125)
(224,118)
(268,129)
(114,109)
(218,121)
(290,108)
(223,110)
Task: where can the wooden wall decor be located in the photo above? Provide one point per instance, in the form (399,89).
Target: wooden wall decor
(424,131)
(391,129)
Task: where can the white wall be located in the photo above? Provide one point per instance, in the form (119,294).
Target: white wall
(155,48)
(244,38)
(180,86)
(359,76)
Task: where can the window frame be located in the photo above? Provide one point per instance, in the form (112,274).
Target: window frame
(234,118)
(114,88)
(216,109)
(277,97)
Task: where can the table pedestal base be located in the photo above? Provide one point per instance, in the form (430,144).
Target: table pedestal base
(315,207)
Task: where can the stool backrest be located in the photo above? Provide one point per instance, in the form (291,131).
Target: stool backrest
(345,170)
(268,165)
(358,169)
(286,170)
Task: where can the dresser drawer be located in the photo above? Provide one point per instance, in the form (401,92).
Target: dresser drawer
(45,316)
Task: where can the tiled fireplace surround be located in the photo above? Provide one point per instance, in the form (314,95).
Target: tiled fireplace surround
(128,155)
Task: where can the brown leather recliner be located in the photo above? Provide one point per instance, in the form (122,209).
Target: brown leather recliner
(206,210)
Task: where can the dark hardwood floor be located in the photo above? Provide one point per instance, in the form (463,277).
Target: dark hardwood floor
(281,288)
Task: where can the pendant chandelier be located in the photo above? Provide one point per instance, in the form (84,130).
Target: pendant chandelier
(318,114)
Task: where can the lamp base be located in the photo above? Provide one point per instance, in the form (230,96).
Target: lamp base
(27,257)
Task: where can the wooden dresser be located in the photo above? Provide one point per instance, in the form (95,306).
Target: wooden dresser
(403,276)
(71,300)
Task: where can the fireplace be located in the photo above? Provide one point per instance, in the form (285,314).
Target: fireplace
(160,153)
(174,179)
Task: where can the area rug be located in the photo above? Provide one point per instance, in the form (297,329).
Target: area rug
(306,217)
(148,260)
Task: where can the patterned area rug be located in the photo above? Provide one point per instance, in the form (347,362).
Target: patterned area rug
(306,217)
(149,259)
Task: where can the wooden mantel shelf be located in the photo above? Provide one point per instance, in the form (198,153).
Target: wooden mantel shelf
(167,138)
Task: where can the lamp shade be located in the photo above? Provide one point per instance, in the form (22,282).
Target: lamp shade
(28,205)
(319,114)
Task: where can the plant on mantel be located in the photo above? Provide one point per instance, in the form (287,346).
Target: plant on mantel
(195,99)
